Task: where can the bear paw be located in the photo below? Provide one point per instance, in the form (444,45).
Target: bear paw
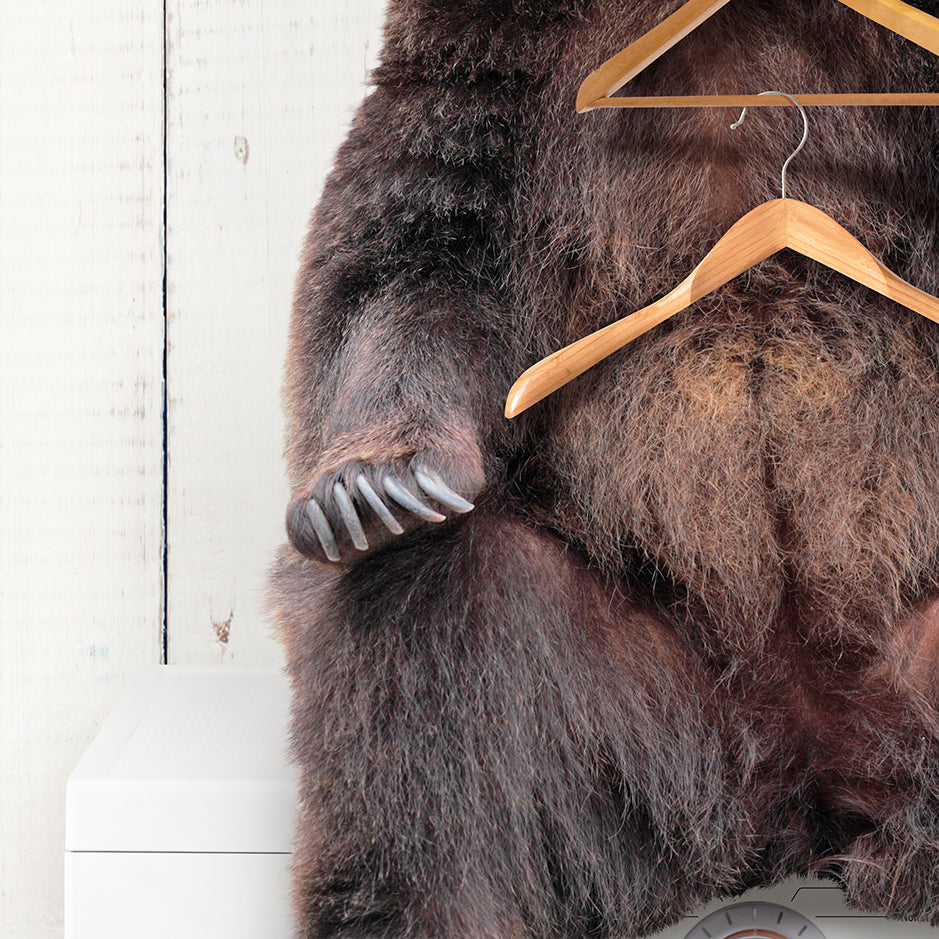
(361,507)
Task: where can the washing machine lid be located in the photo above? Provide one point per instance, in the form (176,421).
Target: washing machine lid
(189,760)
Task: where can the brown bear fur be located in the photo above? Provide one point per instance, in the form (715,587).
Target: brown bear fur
(687,641)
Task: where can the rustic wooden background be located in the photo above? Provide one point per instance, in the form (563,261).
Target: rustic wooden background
(137,523)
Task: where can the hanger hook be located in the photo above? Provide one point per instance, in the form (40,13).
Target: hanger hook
(805,133)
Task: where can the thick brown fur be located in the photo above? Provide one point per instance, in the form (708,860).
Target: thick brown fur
(687,641)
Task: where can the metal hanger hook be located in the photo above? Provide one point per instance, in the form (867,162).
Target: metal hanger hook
(805,133)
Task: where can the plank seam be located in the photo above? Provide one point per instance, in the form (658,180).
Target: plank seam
(164,625)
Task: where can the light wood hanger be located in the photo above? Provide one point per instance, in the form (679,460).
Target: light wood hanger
(772,226)
(598,88)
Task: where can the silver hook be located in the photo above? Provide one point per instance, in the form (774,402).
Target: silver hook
(805,134)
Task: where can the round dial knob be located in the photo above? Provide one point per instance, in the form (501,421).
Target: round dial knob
(755,921)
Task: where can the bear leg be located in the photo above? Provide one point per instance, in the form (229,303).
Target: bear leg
(494,741)
(893,868)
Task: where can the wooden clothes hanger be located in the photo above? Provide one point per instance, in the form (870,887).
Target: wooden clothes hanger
(598,88)
(772,226)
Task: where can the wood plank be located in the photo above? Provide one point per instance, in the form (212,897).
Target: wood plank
(259,96)
(81,353)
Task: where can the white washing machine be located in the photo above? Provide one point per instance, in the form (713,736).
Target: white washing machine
(797,909)
(180,816)
(180,823)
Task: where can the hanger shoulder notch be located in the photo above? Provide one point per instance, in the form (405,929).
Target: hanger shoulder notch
(818,236)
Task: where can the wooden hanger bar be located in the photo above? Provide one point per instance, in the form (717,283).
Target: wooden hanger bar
(770,227)
(753,101)
(599,87)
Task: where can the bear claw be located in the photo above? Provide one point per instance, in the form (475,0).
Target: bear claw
(378,507)
(395,489)
(347,511)
(437,489)
(357,508)
(321,526)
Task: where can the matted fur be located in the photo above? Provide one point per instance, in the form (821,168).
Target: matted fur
(687,642)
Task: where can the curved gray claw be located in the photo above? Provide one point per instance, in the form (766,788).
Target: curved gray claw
(321,526)
(349,516)
(379,507)
(437,489)
(396,490)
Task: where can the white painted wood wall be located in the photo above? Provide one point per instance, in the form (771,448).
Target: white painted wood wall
(257,98)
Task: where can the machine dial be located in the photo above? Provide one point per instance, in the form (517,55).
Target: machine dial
(755,921)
